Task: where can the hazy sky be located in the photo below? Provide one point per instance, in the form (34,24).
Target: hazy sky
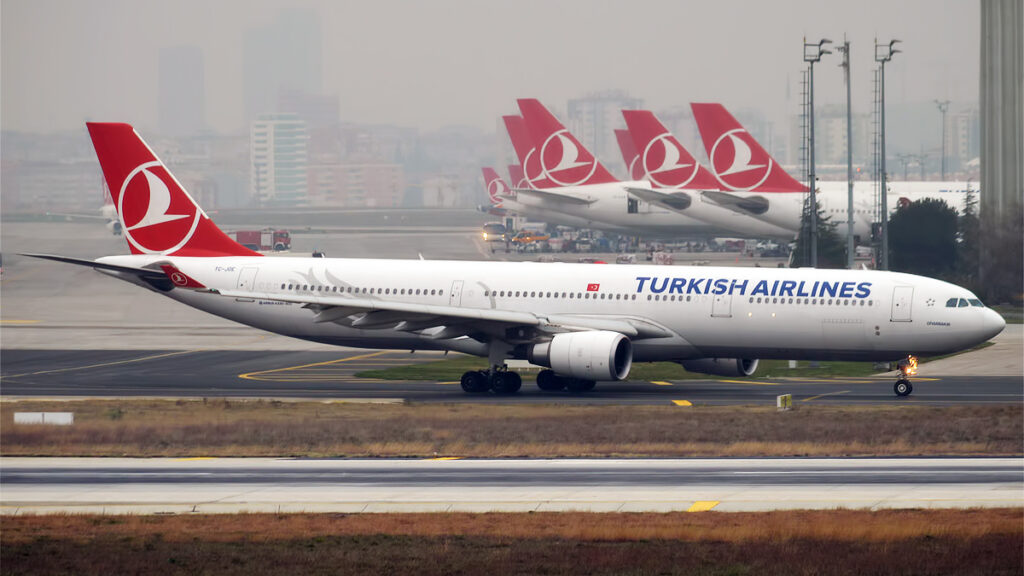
(431,63)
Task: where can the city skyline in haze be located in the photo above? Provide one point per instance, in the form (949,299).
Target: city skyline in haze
(452,62)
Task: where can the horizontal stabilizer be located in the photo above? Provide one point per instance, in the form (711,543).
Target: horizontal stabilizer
(676,201)
(553,196)
(750,205)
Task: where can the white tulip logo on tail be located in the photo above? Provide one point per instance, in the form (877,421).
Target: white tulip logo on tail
(662,165)
(560,161)
(497,188)
(154,222)
(734,164)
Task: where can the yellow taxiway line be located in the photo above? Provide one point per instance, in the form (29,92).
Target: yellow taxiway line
(257,375)
(703,505)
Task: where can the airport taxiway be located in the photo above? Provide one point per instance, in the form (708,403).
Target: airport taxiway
(190,485)
(332,375)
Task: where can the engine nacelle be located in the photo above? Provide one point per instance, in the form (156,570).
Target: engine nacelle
(594,355)
(721,366)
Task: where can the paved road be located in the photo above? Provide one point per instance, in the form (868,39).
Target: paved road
(262,484)
(330,374)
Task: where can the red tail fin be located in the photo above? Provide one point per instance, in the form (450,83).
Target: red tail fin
(515,172)
(563,160)
(737,160)
(496,186)
(525,151)
(157,215)
(663,160)
(629,155)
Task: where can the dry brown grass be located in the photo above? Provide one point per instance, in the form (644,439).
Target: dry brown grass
(809,542)
(261,428)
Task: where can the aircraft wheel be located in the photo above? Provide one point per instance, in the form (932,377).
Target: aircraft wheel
(506,382)
(475,382)
(549,381)
(903,387)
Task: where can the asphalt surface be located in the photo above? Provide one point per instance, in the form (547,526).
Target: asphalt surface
(261,484)
(331,375)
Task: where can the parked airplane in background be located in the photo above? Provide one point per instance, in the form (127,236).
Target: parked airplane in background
(586,323)
(757,185)
(566,178)
(107,213)
(496,190)
(675,174)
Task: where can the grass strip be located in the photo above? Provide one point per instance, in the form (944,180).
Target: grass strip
(167,428)
(977,541)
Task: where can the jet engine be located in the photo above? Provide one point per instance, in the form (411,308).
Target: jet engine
(721,366)
(593,355)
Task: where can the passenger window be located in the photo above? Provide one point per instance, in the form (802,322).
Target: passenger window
(951,303)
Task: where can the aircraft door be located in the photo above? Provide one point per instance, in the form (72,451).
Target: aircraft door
(902,298)
(247,278)
(455,297)
(721,306)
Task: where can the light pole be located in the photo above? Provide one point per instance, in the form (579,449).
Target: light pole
(883,54)
(943,106)
(813,53)
(850,250)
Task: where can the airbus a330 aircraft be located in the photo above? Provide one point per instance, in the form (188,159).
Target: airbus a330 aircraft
(586,322)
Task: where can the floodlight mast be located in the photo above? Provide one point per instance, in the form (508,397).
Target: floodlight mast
(883,54)
(813,51)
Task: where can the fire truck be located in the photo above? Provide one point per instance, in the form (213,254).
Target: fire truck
(264,240)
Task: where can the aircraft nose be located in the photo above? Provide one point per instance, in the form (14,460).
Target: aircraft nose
(992,324)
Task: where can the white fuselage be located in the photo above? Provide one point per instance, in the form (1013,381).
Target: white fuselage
(785,208)
(609,209)
(704,311)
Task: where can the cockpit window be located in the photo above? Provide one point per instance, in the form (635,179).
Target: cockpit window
(951,303)
(963,303)
(976,302)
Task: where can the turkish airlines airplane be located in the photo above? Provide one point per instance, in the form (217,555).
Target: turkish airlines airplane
(503,199)
(754,183)
(585,322)
(676,175)
(564,177)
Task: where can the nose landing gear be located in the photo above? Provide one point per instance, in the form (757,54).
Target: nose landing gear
(907,368)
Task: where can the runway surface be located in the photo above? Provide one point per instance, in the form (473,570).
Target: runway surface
(292,374)
(51,485)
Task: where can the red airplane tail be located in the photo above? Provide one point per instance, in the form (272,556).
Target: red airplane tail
(157,215)
(496,186)
(515,172)
(562,160)
(661,158)
(737,160)
(629,155)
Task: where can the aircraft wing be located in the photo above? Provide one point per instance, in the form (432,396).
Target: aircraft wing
(439,321)
(676,201)
(553,196)
(750,205)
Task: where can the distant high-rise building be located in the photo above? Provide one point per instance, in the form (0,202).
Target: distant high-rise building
(182,91)
(594,118)
(285,55)
(962,137)
(278,159)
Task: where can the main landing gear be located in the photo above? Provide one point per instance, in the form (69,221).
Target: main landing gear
(547,380)
(907,368)
(500,381)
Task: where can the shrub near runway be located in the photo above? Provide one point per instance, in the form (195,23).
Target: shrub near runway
(982,542)
(268,428)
